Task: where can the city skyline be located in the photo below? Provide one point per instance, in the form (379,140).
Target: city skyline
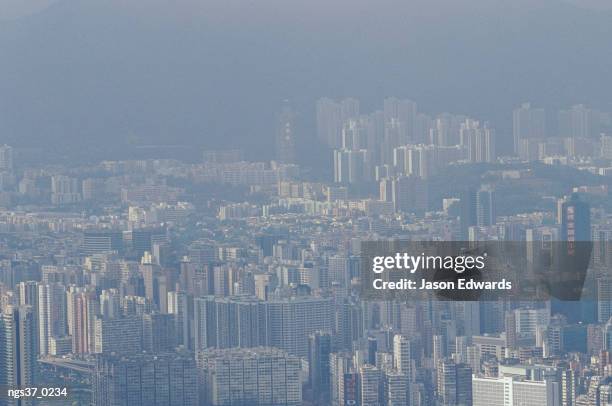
(306,203)
(158,275)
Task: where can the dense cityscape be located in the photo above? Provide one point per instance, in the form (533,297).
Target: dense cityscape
(232,282)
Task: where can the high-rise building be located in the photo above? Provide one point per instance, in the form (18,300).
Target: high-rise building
(606,146)
(370,385)
(349,108)
(119,335)
(348,324)
(83,308)
(576,237)
(454,383)
(158,332)
(136,305)
(445,129)
(569,387)
(464,384)
(230,322)
(28,296)
(145,379)
(102,241)
(351,166)
(468,318)
(528,124)
(402,356)
(485,207)
(605,394)
(255,376)
(291,321)
(575,218)
(491,392)
(60,346)
(110,304)
(93,188)
(285,136)
(604,299)
(527,321)
(385,189)
(403,112)
(6,158)
(409,194)
(319,350)
(468,212)
(64,190)
(142,240)
(607,336)
(602,246)
(396,388)
(510,329)
(331,116)
(579,122)
(179,307)
(338,270)
(511,391)
(155,284)
(355,134)
(52,314)
(550,339)
(340,364)
(478,141)
(18,352)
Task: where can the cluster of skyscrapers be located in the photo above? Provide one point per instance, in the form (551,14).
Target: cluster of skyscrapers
(227,282)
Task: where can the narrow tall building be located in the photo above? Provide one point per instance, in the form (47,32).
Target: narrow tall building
(527,124)
(84,308)
(52,314)
(468,212)
(178,307)
(18,352)
(6,158)
(28,296)
(285,135)
(402,356)
(575,216)
(485,207)
(319,350)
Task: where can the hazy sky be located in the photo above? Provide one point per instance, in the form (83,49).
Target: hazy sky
(214,72)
